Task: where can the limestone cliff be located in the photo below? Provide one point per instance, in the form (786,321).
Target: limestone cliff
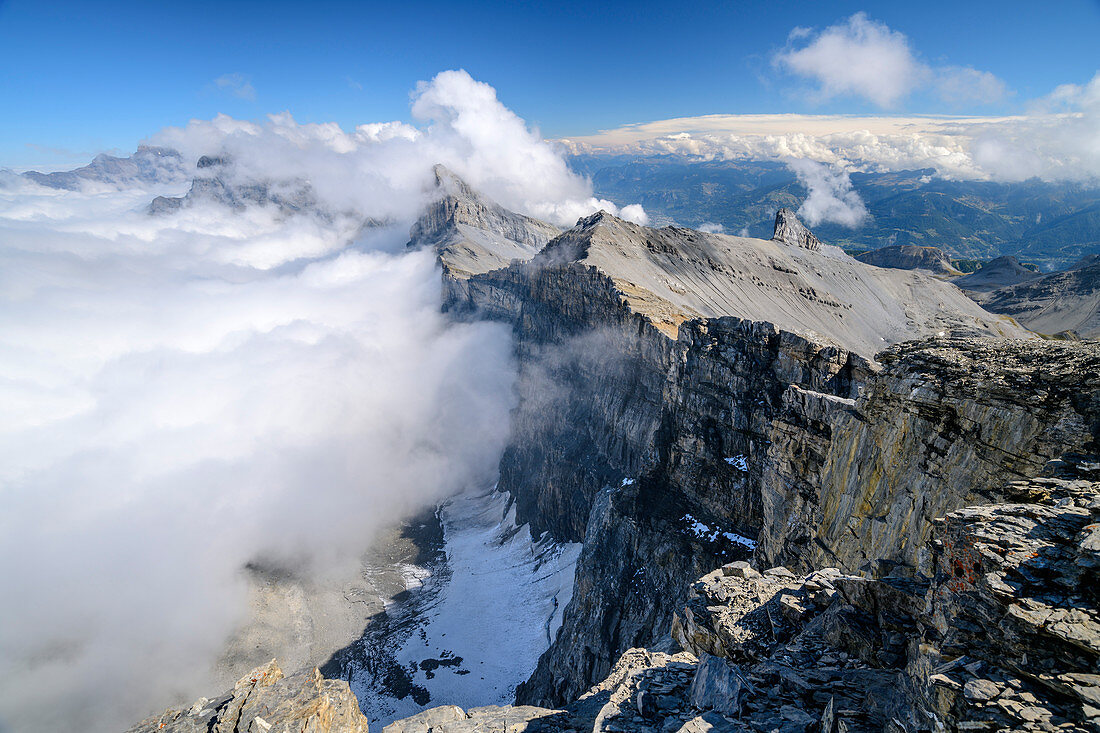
(670,437)
(867,475)
(1004,634)
(944,425)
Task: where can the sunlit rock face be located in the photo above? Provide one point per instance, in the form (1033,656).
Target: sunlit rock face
(789,230)
(267,700)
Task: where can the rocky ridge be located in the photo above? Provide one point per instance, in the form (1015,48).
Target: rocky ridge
(1003,635)
(215,182)
(472,234)
(910,257)
(999,273)
(1059,304)
(904,501)
(671,438)
(148,164)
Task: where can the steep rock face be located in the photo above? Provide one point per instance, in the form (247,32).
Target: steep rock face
(630,372)
(471,233)
(947,422)
(266,700)
(819,456)
(1059,303)
(998,273)
(596,317)
(1004,634)
(910,257)
(789,230)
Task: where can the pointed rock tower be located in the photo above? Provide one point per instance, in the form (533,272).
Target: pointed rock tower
(789,230)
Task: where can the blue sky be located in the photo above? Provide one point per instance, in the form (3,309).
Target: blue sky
(81,77)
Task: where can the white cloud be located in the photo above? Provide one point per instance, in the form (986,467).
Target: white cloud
(860,57)
(1059,139)
(386,167)
(963,85)
(865,58)
(236,84)
(634,213)
(830,195)
(711,227)
(186,393)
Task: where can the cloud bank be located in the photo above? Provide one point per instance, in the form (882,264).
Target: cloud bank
(188,393)
(861,58)
(1057,140)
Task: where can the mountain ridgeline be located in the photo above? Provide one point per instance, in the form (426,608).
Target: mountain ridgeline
(812,493)
(1052,223)
(691,399)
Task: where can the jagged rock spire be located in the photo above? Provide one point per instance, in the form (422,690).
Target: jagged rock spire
(789,230)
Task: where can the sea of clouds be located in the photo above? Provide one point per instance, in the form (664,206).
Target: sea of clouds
(190,392)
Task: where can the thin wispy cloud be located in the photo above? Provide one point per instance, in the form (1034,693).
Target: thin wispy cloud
(236,84)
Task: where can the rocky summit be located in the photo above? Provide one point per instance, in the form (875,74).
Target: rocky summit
(811,494)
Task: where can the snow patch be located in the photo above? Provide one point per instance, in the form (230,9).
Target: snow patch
(741,463)
(711,534)
(481,623)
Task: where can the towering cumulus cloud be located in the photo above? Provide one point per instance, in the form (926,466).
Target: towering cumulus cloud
(830,195)
(189,392)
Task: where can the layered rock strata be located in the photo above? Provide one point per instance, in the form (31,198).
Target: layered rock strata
(661,432)
(1003,635)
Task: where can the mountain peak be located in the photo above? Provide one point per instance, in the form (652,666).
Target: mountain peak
(470,232)
(789,230)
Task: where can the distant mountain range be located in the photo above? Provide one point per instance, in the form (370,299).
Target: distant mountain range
(1052,224)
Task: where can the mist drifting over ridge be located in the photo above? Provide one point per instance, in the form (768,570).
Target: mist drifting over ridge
(188,393)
